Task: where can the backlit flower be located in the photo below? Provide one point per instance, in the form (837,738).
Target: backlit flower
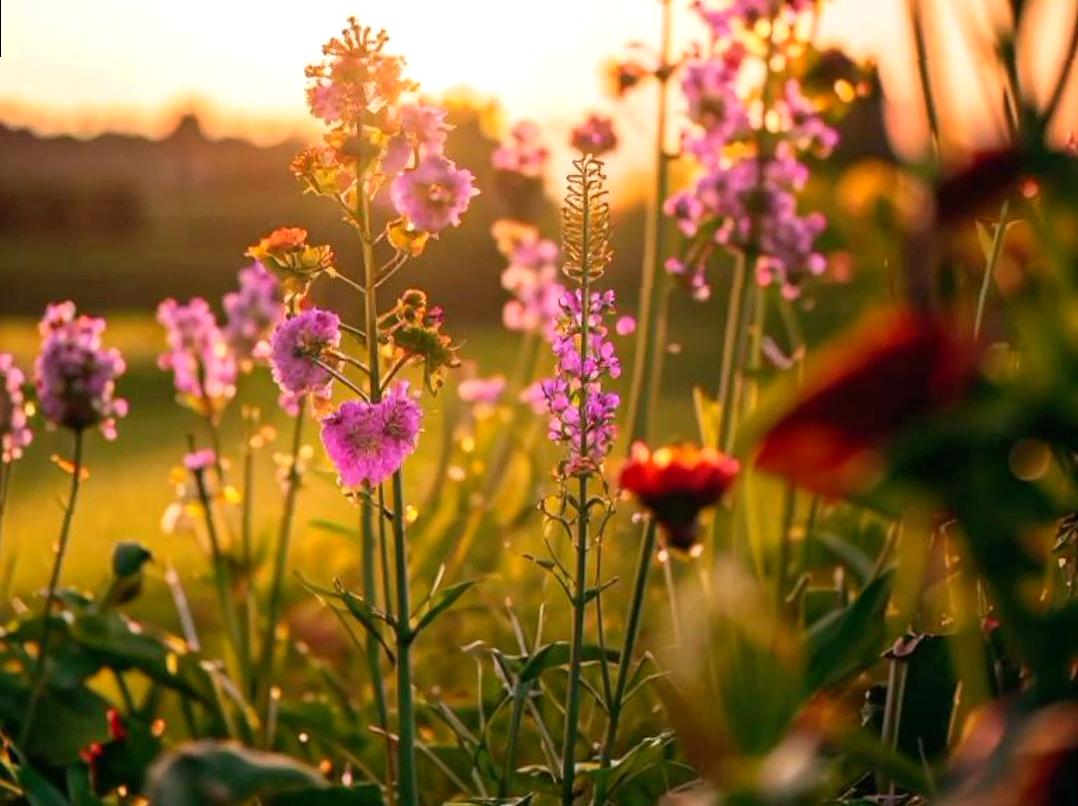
(894,368)
(482,391)
(594,136)
(368,442)
(675,483)
(435,194)
(202,364)
(251,313)
(14,428)
(296,263)
(295,346)
(522,152)
(75,376)
(425,126)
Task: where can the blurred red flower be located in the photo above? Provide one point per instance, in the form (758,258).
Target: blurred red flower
(674,483)
(897,366)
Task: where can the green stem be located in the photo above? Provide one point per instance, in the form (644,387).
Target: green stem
(248,610)
(520,697)
(654,289)
(990,266)
(269,638)
(409,789)
(38,686)
(729,342)
(671,595)
(788,509)
(370,592)
(632,630)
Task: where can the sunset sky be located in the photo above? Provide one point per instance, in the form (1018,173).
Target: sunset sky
(133,64)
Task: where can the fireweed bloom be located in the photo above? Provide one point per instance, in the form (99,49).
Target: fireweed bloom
(15,431)
(295,345)
(368,442)
(522,152)
(75,375)
(894,368)
(202,364)
(594,136)
(675,483)
(532,277)
(745,196)
(434,195)
(251,314)
(580,411)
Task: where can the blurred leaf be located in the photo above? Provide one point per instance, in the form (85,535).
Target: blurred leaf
(38,791)
(360,795)
(218,773)
(443,601)
(67,720)
(79,788)
(128,558)
(844,642)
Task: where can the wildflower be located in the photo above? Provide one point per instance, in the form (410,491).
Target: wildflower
(286,253)
(675,483)
(75,376)
(482,391)
(368,442)
(15,432)
(295,345)
(625,326)
(532,278)
(424,125)
(202,365)
(580,412)
(252,313)
(522,152)
(199,460)
(594,136)
(435,194)
(896,367)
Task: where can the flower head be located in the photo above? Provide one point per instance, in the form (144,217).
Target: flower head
(435,194)
(75,375)
(424,126)
(368,442)
(594,136)
(15,431)
(202,364)
(522,152)
(286,253)
(251,314)
(295,345)
(675,483)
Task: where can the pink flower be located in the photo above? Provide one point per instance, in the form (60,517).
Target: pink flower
(522,152)
(368,442)
(75,376)
(252,313)
(434,194)
(202,365)
(296,344)
(532,279)
(425,126)
(15,433)
(625,326)
(199,460)
(484,391)
(594,136)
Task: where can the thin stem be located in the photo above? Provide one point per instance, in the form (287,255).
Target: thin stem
(990,266)
(921,47)
(520,697)
(729,341)
(342,378)
(632,629)
(7,565)
(671,595)
(269,638)
(370,592)
(409,788)
(788,510)
(654,289)
(38,686)
(246,516)
(398,365)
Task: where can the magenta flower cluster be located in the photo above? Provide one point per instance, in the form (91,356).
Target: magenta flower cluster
(581,413)
(296,343)
(251,314)
(594,136)
(75,375)
(532,277)
(368,442)
(202,364)
(15,431)
(522,152)
(748,134)
(434,194)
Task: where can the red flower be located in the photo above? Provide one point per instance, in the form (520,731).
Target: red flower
(676,482)
(894,368)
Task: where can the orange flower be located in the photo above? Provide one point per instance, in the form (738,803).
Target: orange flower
(286,253)
(896,367)
(676,482)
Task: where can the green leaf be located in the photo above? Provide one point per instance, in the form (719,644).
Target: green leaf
(443,601)
(38,791)
(128,558)
(361,795)
(210,772)
(847,640)
(558,654)
(66,721)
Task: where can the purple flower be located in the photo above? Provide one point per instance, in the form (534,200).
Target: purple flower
(483,391)
(522,152)
(581,414)
(368,442)
(15,432)
(425,126)
(296,343)
(251,314)
(203,367)
(199,460)
(594,136)
(532,279)
(75,376)
(434,194)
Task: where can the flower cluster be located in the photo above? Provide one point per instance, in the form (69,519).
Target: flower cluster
(594,136)
(75,375)
(296,344)
(251,314)
(532,277)
(14,415)
(202,364)
(522,152)
(581,413)
(368,442)
(750,125)
(294,262)
(378,136)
